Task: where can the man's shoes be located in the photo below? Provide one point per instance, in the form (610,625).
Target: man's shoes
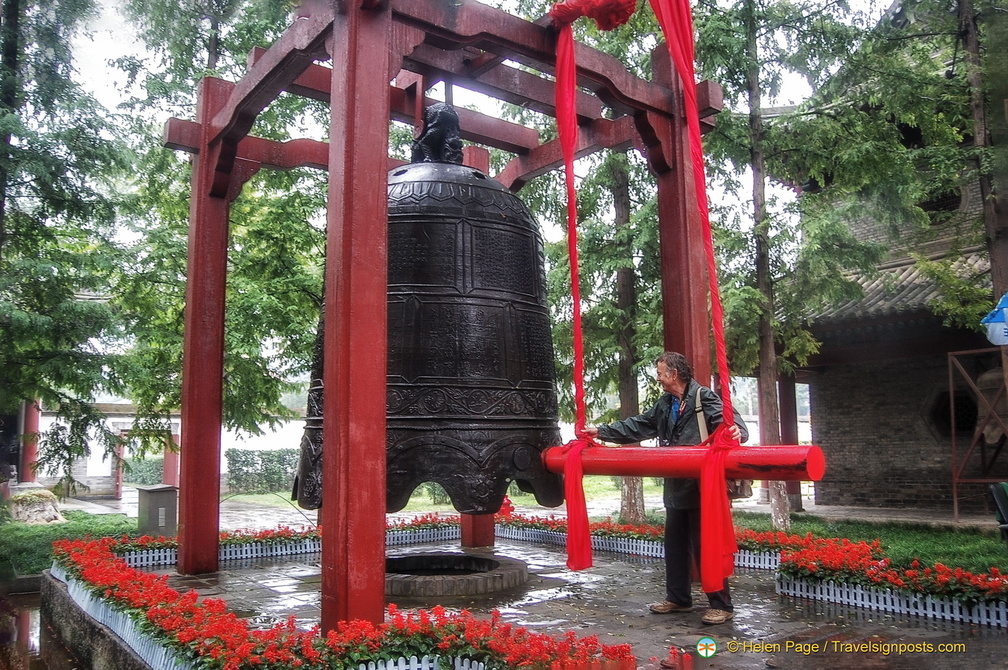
(668,607)
(714,617)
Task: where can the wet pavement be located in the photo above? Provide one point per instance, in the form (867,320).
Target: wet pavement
(610,600)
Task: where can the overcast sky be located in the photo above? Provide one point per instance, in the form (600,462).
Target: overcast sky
(107,38)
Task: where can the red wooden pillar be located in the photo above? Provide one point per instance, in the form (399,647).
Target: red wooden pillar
(686,322)
(353,470)
(203,351)
(29,443)
(477,530)
(170,476)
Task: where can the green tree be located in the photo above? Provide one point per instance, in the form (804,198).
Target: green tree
(782,265)
(918,93)
(58,156)
(771,269)
(276,245)
(899,128)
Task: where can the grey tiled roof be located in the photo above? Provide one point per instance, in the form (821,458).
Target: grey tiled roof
(899,288)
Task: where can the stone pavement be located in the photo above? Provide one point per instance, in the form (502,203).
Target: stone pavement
(610,600)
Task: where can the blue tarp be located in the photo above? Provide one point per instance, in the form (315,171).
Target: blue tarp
(997,323)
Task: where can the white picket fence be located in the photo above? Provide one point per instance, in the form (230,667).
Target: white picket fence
(626,545)
(148,558)
(884,600)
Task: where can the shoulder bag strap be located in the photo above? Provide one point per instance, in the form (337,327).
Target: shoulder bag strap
(701,419)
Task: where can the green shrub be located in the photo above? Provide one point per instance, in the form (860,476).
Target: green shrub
(144,472)
(26,549)
(261,471)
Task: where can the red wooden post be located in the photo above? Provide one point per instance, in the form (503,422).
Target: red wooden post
(29,445)
(686,323)
(170,475)
(477,530)
(353,470)
(203,352)
(476,157)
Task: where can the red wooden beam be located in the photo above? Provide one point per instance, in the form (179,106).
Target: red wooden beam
(803,462)
(296,49)
(450,24)
(315,82)
(502,82)
(183,135)
(601,134)
(474,126)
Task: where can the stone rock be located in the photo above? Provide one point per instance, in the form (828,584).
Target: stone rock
(35,506)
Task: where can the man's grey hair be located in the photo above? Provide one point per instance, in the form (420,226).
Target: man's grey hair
(673,360)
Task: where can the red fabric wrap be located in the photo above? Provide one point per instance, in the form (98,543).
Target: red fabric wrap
(607,14)
(579,555)
(717,540)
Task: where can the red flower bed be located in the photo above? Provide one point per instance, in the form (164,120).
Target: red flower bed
(278,535)
(814,558)
(840,560)
(822,559)
(205,631)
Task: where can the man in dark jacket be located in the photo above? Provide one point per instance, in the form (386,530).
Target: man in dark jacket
(673,420)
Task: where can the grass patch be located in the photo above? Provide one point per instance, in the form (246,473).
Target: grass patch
(596,487)
(969,548)
(26,549)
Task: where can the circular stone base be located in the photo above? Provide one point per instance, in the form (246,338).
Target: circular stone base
(443,574)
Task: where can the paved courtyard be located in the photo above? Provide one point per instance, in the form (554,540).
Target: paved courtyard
(610,600)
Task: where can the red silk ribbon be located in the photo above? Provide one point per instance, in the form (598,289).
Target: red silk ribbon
(718,540)
(607,14)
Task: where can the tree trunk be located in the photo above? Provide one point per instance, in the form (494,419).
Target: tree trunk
(631,488)
(769,412)
(995,217)
(213,44)
(10,31)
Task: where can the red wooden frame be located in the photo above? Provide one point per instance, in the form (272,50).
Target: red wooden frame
(415,43)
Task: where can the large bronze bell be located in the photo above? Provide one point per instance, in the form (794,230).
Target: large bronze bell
(471,398)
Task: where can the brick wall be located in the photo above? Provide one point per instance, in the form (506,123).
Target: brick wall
(871,421)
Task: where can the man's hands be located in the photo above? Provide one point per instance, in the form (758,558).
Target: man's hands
(734,432)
